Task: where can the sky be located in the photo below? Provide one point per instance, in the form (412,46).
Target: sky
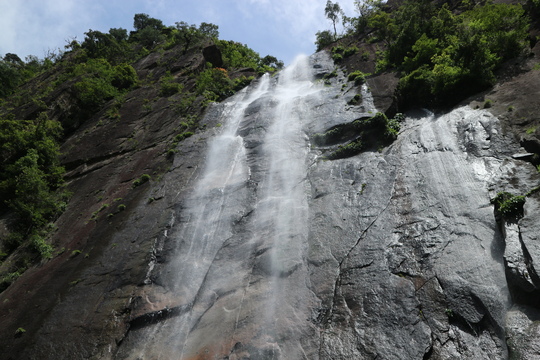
(282,28)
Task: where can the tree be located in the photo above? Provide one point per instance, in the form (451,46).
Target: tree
(119,34)
(10,78)
(210,30)
(149,37)
(333,12)
(365,9)
(323,38)
(13,58)
(188,35)
(141,21)
(272,61)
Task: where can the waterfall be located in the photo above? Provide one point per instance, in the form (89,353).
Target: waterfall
(249,205)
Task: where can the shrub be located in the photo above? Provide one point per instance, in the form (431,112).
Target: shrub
(214,84)
(323,39)
(169,86)
(124,77)
(350,51)
(508,206)
(101,82)
(352,148)
(337,57)
(357,76)
(357,99)
(141,180)
(444,56)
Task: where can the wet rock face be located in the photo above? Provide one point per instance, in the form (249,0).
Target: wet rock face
(393,254)
(424,273)
(254,247)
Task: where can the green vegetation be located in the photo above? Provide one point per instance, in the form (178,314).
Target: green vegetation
(441,55)
(169,86)
(339,52)
(14,72)
(214,84)
(333,12)
(99,68)
(444,57)
(509,206)
(100,81)
(323,39)
(359,135)
(30,182)
(358,77)
(356,100)
(144,178)
(236,56)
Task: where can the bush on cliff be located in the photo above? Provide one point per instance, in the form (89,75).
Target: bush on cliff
(443,56)
(30,179)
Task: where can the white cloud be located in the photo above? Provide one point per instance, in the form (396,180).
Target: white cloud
(34,26)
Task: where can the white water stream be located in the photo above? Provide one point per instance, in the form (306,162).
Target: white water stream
(278,221)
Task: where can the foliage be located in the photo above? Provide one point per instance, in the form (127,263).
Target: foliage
(443,56)
(272,62)
(509,206)
(14,71)
(143,21)
(100,81)
(356,100)
(350,149)
(236,55)
(8,278)
(214,84)
(339,52)
(112,46)
(190,35)
(358,77)
(323,39)
(30,176)
(333,12)
(209,30)
(337,57)
(149,37)
(361,134)
(365,9)
(169,86)
(144,178)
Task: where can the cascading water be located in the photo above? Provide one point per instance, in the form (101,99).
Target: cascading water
(250,207)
